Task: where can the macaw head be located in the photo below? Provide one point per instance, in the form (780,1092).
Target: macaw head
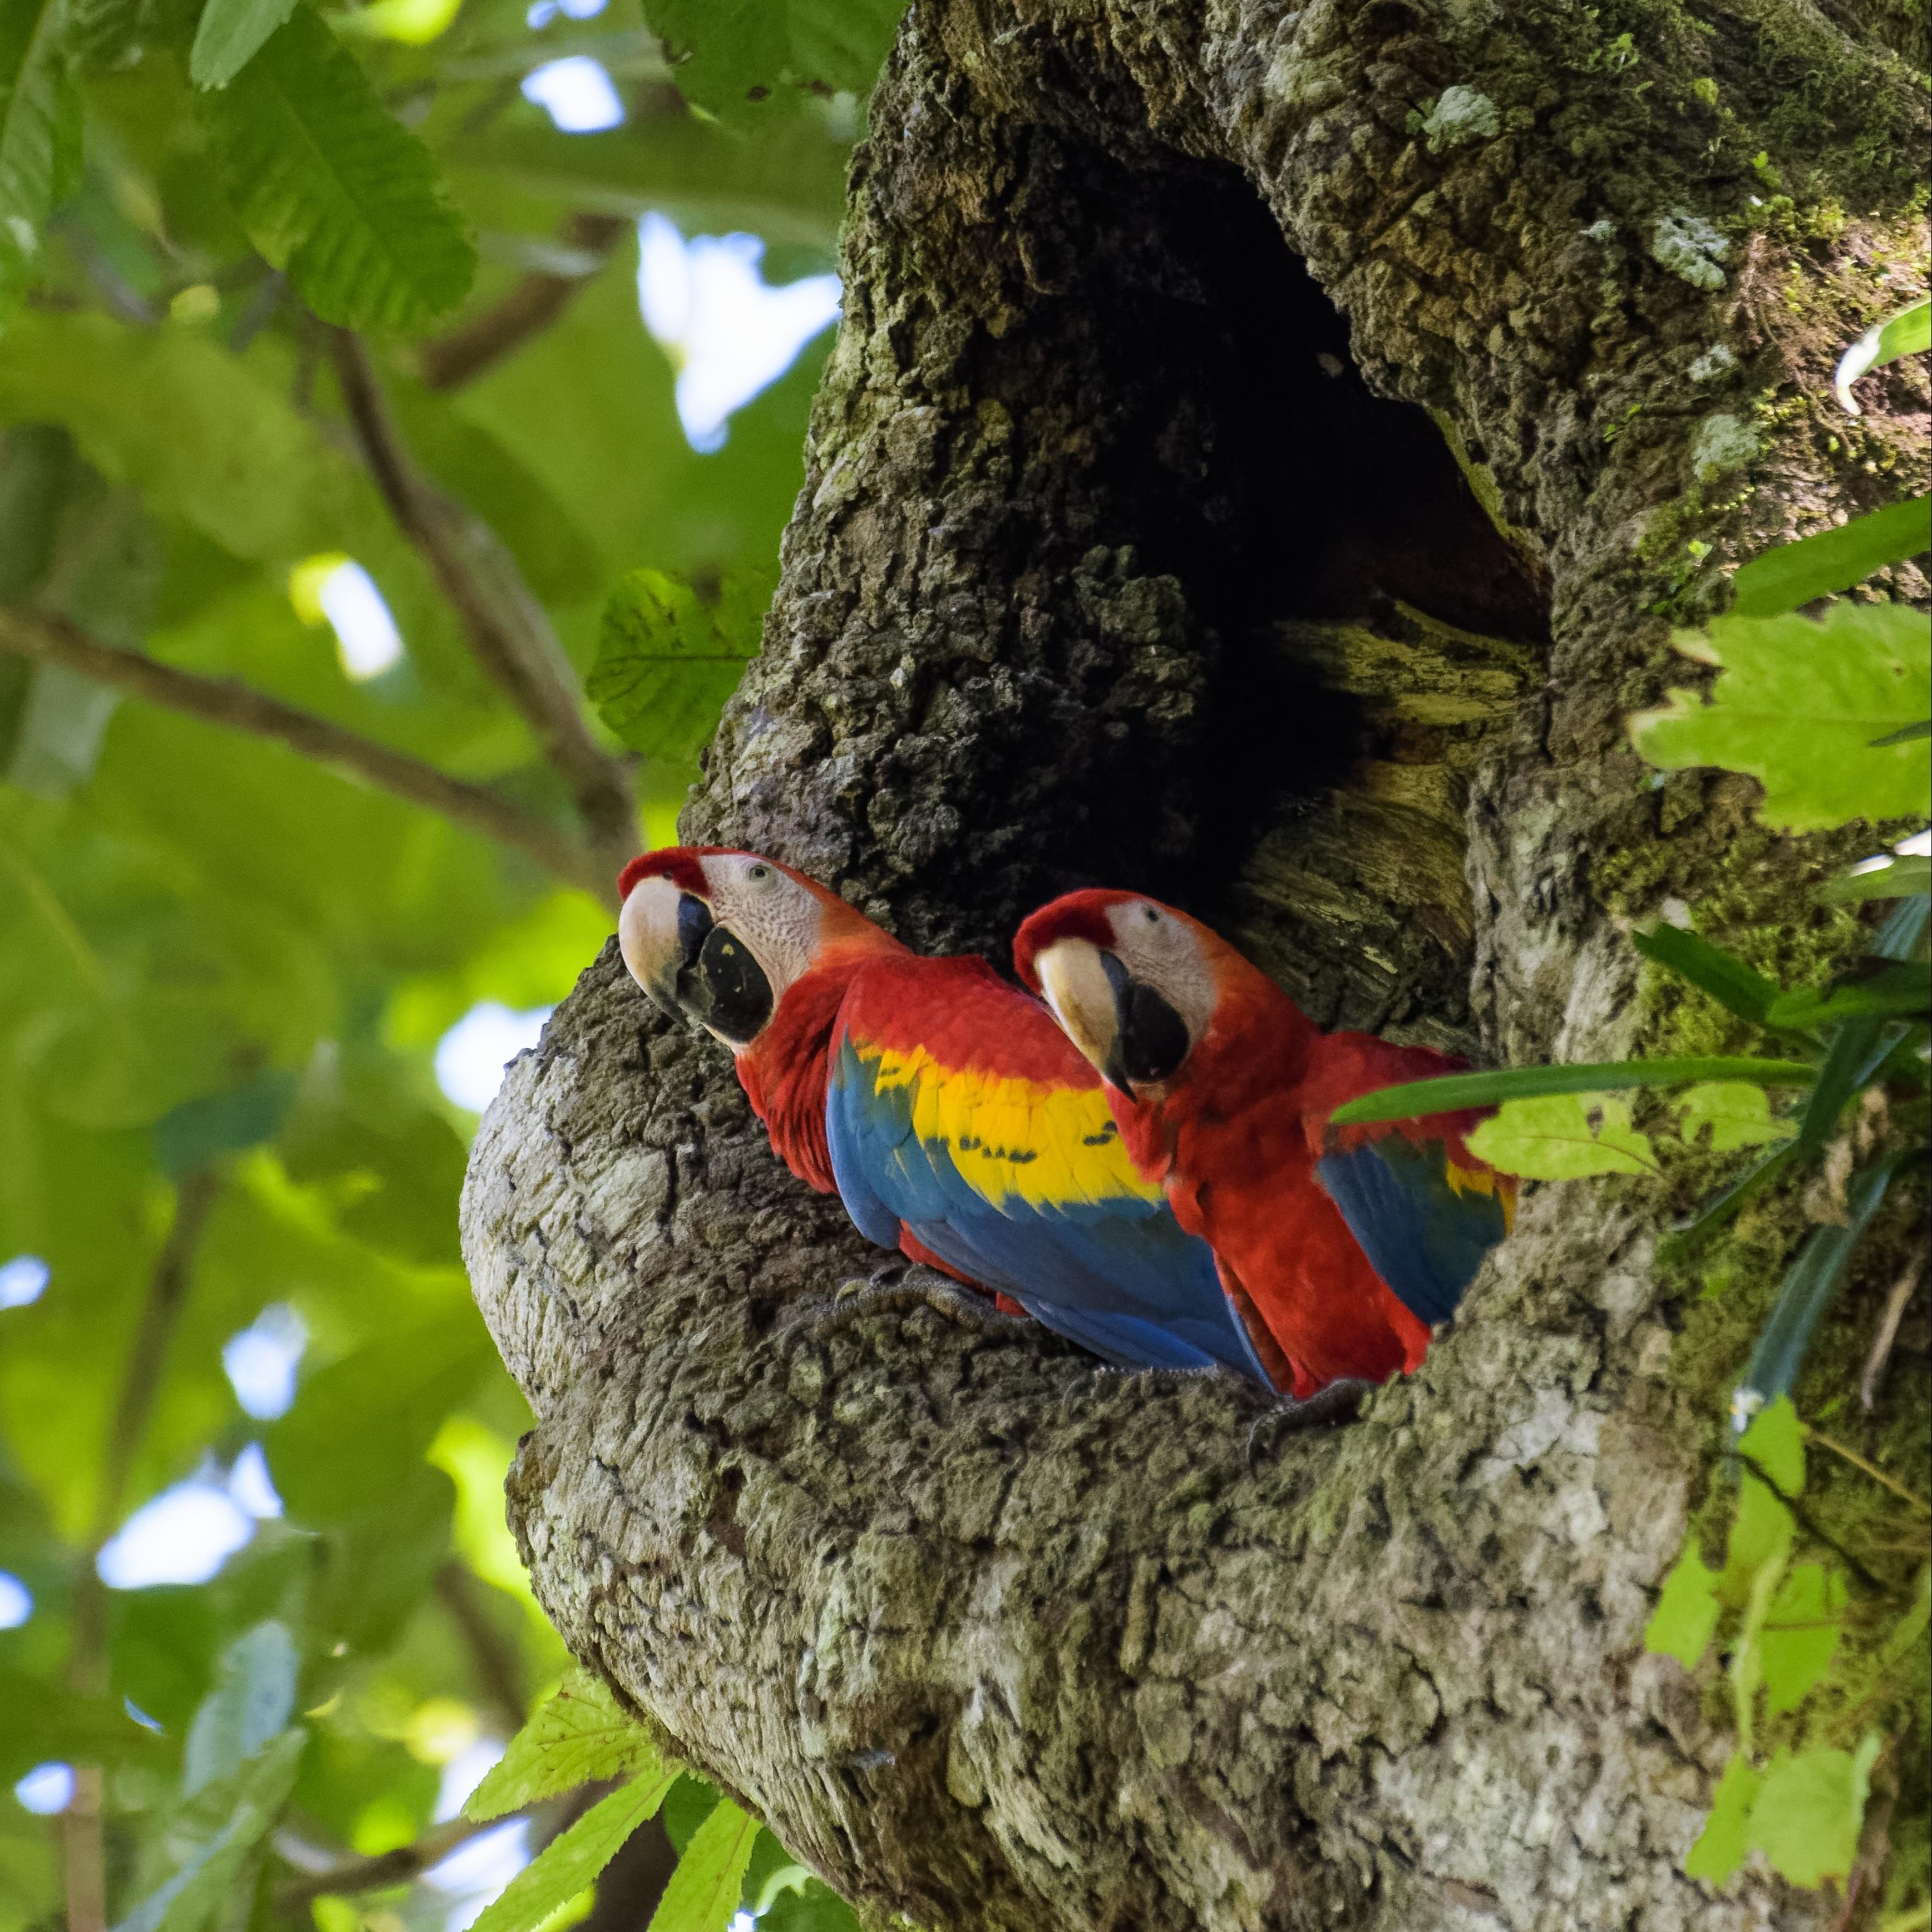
(1133,983)
(721,937)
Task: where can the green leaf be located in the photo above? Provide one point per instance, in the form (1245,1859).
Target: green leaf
(220,1829)
(333,190)
(810,1906)
(1904,333)
(1797,706)
(574,1858)
(194,1133)
(730,54)
(254,1699)
(1732,984)
(1899,877)
(1807,1290)
(1775,1442)
(1686,1616)
(1834,560)
(1455,1091)
(40,131)
(1721,1845)
(665,665)
(1760,1539)
(1809,1809)
(692,1800)
(1563,1137)
(1738,1114)
(1896,990)
(580,1735)
(1801,1634)
(231,34)
(703,1891)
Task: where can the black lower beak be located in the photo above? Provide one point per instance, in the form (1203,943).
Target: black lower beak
(722,986)
(1150,1038)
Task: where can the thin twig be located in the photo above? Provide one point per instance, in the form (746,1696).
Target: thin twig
(1871,1469)
(384,1868)
(509,634)
(83,1846)
(50,639)
(1895,1305)
(1810,1523)
(533,302)
(495,1662)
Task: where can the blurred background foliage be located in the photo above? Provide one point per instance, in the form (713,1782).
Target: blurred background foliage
(322,333)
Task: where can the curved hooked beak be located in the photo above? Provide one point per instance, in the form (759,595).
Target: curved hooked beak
(1122,1025)
(690,967)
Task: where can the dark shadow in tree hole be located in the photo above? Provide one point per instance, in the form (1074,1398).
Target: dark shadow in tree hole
(1239,448)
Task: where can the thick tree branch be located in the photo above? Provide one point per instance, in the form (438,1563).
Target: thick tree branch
(49,638)
(531,304)
(507,630)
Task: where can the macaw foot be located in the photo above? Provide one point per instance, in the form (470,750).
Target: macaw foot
(1329,1408)
(898,1287)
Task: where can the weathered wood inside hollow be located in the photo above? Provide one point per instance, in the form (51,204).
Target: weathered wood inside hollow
(994,1638)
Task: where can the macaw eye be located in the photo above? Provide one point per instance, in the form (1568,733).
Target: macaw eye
(1152,917)
(758,874)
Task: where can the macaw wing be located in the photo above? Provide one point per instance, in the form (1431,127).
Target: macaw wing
(1023,1187)
(1425,1215)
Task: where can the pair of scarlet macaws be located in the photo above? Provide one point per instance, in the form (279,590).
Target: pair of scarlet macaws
(1140,1157)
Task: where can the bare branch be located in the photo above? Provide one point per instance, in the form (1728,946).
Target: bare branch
(50,639)
(506,627)
(350,1876)
(534,301)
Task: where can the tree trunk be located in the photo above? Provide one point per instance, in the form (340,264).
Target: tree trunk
(1124,556)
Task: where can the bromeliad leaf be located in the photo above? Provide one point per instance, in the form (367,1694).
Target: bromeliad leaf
(1563,1137)
(1455,1091)
(666,663)
(1815,566)
(1686,1616)
(1900,878)
(1897,991)
(1904,333)
(568,1863)
(39,130)
(703,1894)
(332,189)
(1733,985)
(581,1734)
(1737,1113)
(230,34)
(1797,706)
(730,56)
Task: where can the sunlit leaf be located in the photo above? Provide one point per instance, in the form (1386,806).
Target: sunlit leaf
(581,1734)
(1686,1616)
(1775,1442)
(1760,1540)
(703,1892)
(666,663)
(1563,1137)
(1454,1091)
(574,1858)
(1721,1845)
(1798,704)
(1801,1634)
(1737,1113)
(731,56)
(333,190)
(40,131)
(1809,1809)
(230,34)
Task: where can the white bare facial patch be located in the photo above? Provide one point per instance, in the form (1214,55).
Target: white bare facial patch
(1162,951)
(777,919)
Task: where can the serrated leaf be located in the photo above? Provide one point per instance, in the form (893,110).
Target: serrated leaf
(1563,1137)
(571,1860)
(703,1892)
(40,130)
(246,1803)
(581,1734)
(731,54)
(1775,1442)
(253,1700)
(1686,1616)
(1797,706)
(666,663)
(1738,1114)
(1721,1845)
(230,34)
(332,189)
(1834,560)
(1809,1808)
(1801,1634)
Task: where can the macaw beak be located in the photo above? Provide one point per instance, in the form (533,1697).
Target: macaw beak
(1122,1025)
(689,965)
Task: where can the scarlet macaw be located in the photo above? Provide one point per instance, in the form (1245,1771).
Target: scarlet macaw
(943,1104)
(1350,1243)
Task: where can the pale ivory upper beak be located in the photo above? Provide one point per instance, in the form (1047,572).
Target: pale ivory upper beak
(649,938)
(1081,996)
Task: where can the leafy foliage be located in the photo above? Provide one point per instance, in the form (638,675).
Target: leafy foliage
(730,57)
(666,662)
(578,1737)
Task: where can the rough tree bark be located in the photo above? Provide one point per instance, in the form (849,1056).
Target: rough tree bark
(1118,560)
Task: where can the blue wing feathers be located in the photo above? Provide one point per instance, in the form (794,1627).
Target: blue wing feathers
(1424,1238)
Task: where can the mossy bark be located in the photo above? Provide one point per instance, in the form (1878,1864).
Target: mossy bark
(1127,553)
